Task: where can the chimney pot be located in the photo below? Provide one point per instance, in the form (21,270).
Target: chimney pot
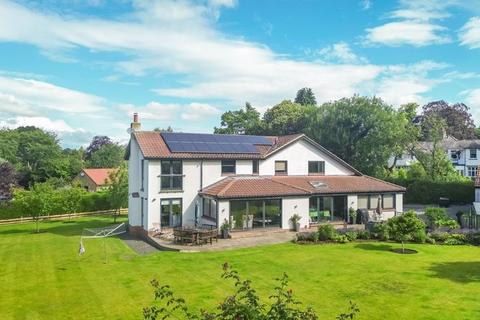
(135,125)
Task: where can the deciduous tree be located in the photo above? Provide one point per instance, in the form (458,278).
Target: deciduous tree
(118,190)
(287,118)
(108,156)
(362,131)
(458,119)
(8,179)
(243,121)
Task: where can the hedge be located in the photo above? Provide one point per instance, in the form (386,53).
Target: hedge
(428,192)
(91,201)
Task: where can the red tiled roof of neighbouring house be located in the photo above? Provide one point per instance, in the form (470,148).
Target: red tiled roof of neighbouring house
(268,186)
(99,176)
(152,145)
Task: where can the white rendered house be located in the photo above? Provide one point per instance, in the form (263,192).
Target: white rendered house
(182,179)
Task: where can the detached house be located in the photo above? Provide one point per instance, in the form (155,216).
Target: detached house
(186,179)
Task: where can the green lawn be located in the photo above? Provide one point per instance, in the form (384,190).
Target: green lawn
(42,277)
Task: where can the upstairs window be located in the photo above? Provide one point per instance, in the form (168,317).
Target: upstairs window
(472,171)
(255,165)
(171,177)
(316,167)
(473,153)
(281,168)
(228,167)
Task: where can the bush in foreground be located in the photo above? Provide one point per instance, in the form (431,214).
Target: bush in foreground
(243,304)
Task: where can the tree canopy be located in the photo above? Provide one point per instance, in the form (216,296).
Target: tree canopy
(107,156)
(287,117)
(362,131)
(305,97)
(243,121)
(458,119)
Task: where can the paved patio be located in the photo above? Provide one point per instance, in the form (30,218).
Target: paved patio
(237,242)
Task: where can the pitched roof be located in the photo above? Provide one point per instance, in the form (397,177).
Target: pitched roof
(268,186)
(152,145)
(99,176)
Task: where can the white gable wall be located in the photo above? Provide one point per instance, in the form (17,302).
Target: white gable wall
(298,154)
(134,181)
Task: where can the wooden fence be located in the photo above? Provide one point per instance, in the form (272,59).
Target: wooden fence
(63,216)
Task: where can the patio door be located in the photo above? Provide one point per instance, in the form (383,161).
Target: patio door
(171,212)
(255,214)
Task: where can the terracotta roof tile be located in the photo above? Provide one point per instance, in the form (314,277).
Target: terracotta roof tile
(99,176)
(152,145)
(264,186)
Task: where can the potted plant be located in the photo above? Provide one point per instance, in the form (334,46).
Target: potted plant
(225,229)
(352,214)
(295,219)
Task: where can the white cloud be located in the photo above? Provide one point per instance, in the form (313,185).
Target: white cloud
(340,52)
(199,111)
(472,99)
(179,38)
(152,110)
(414,25)
(156,111)
(28,96)
(366,4)
(39,122)
(470,33)
(407,32)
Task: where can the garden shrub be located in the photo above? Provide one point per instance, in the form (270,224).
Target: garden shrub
(341,238)
(439,236)
(473,238)
(420,236)
(455,239)
(380,232)
(351,235)
(364,235)
(326,232)
(430,240)
(307,237)
(437,217)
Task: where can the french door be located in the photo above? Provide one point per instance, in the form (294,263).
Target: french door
(171,212)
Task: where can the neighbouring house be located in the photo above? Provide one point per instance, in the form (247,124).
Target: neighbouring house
(253,182)
(94,179)
(464,155)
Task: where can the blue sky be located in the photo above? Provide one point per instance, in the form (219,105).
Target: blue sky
(81,68)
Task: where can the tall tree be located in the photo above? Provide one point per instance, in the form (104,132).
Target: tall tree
(362,131)
(305,97)
(39,154)
(108,156)
(118,190)
(431,155)
(459,121)
(243,121)
(8,179)
(408,133)
(287,118)
(95,145)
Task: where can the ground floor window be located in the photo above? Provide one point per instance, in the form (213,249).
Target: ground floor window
(371,201)
(323,209)
(170,212)
(251,214)
(209,208)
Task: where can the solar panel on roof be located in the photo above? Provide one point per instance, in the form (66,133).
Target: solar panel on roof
(212,143)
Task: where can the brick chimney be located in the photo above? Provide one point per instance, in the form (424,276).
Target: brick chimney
(135,125)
